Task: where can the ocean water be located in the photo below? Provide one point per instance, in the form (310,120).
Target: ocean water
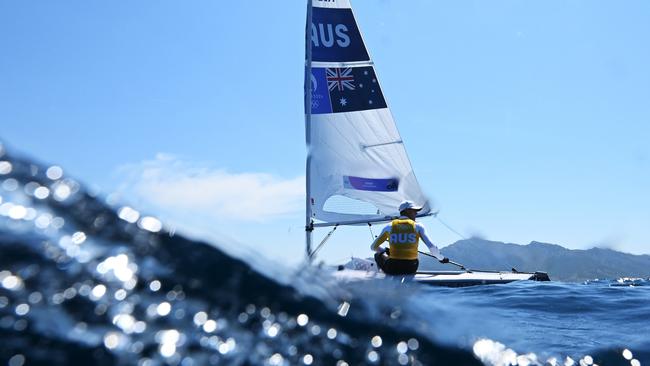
(85,283)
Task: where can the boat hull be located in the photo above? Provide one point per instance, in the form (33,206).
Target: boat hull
(447,278)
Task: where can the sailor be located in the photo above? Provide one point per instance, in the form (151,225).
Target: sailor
(403,235)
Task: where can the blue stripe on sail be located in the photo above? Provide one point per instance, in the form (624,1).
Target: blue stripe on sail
(335,36)
(371,184)
(345,89)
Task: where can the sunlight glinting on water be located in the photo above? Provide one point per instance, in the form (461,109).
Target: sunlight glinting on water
(122,280)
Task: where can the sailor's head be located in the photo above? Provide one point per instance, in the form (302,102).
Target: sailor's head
(409,209)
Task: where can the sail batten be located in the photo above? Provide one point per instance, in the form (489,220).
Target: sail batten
(358,168)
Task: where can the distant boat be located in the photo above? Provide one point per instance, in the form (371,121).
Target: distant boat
(358,171)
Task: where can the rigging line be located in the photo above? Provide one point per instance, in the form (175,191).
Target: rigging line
(449,227)
(313,253)
(372,235)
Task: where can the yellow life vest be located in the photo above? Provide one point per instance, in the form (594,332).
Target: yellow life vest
(403,239)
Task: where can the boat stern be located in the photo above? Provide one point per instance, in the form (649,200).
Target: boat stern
(540,276)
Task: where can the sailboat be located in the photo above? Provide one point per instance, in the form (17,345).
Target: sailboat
(357,171)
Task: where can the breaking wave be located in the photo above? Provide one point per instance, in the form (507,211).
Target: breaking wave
(82,282)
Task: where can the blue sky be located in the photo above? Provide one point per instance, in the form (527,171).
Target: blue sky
(523,120)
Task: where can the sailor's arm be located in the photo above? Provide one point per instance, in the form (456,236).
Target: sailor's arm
(376,245)
(432,248)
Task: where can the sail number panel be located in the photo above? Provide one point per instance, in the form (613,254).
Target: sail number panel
(335,36)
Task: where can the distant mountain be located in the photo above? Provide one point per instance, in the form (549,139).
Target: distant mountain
(561,264)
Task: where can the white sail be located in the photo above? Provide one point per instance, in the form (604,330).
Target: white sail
(357,167)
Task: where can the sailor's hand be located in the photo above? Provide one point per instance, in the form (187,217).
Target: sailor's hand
(381,250)
(444,260)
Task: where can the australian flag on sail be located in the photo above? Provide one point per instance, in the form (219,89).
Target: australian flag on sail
(345,89)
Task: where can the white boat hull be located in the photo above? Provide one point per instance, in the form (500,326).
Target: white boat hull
(446,278)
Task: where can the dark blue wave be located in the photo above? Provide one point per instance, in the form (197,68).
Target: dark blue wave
(126,295)
(81,283)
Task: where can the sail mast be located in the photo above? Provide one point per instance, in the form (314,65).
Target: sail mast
(308,220)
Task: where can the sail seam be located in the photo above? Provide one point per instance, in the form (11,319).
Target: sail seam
(331,64)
